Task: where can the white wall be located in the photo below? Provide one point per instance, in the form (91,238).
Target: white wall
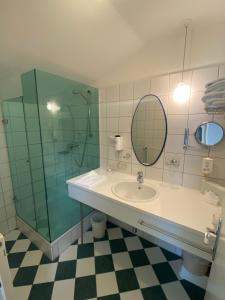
(117,104)
(7,207)
(205,46)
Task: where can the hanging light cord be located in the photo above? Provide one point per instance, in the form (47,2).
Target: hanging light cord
(185,46)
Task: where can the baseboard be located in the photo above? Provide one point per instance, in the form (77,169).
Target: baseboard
(54,249)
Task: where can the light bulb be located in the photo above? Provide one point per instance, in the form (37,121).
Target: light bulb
(53,107)
(182,93)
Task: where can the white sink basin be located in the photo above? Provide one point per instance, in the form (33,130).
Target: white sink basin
(133,192)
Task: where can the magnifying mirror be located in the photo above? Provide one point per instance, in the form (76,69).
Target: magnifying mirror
(209,133)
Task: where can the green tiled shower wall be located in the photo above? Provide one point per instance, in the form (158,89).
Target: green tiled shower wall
(53,144)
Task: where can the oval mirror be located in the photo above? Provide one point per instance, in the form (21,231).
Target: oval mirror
(209,134)
(149,130)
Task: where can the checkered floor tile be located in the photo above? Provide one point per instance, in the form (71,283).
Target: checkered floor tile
(119,266)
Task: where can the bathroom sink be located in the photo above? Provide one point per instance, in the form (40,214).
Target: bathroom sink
(133,192)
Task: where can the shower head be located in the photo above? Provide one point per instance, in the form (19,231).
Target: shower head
(76,92)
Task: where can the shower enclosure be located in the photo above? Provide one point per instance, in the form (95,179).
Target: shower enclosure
(52,134)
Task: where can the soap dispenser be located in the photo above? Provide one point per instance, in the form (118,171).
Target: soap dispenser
(207,165)
(118,142)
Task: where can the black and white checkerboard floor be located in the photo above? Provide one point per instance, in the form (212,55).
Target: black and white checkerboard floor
(120,266)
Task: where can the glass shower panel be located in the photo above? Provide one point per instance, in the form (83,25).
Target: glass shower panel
(70,138)
(16,138)
(35,152)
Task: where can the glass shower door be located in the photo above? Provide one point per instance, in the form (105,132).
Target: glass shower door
(70,145)
(16,139)
(35,152)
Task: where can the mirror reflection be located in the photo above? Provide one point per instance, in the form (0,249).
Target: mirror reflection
(149,130)
(209,134)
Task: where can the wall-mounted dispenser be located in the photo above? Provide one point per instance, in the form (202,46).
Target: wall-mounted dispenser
(207,165)
(118,142)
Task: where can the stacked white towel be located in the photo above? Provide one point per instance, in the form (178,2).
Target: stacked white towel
(214,97)
(91,179)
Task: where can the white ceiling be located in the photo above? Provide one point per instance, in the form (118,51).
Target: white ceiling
(88,39)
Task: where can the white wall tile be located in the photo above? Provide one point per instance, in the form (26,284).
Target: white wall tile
(175,143)
(5,171)
(112,93)
(124,167)
(135,105)
(190,114)
(195,120)
(196,104)
(102,95)
(112,109)
(160,85)
(4,228)
(125,155)
(172,177)
(127,91)
(222,71)
(103,110)
(154,173)
(103,151)
(218,150)
(7,206)
(192,164)
(202,76)
(192,181)
(175,79)
(3,155)
(160,162)
(218,168)
(172,156)
(125,124)
(2,140)
(137,168)
(112,154)
(125,108)
(134,158)
(102,124)
(177,124)
(177,108)
(3,215)
(112,125)
(165,102)
(195,148)
(141,88)
(127,140)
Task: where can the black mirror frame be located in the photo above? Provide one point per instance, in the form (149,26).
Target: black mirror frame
(166,129)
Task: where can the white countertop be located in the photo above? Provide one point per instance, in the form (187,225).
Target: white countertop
(180,205)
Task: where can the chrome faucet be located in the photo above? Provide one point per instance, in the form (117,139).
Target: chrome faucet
(140,177)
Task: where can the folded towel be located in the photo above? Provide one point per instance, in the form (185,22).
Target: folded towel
(215,106)
(216,103)
(215,88)
(214,82)
(212,109)
(214,100)
(91,179)
(211,100)
(213,95)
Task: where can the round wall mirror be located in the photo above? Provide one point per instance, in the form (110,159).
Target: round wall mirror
(149,130)
(209,133)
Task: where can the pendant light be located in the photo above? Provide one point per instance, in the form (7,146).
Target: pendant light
(182,91)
